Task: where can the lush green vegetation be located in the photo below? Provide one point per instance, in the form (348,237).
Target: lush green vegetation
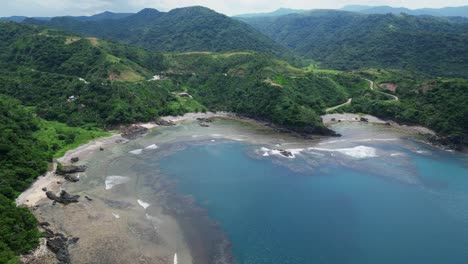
(183,29)
(262,87)
(27,144)
(439,103)
(348,41)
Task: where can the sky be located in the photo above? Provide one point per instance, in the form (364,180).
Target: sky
(228,7)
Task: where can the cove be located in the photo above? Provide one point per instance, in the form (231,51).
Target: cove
(333,212)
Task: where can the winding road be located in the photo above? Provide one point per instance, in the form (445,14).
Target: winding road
(371,86)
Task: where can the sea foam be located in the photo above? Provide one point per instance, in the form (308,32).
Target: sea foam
(143,204)
(136,151)
(111,181)
(359,152)
(154,146)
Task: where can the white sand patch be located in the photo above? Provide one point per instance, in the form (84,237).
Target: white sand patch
(136,151)
(359,152)
(112,181)
(143,204)
(154,146)
(116,215)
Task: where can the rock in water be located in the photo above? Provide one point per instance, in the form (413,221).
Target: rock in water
(75,159)
(63,170)
(71,178)
(64,198)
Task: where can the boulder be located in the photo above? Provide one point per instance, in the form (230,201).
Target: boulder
(64,198)
(75,159)
(71,178)
(162,122)
(204,120)
(64,170)
(363,119)
(133,131)
(286,153)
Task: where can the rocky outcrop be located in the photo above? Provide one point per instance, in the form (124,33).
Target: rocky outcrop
(162,122)
(286,153)
(133,131)
(71,178)
(363,119)
(64,198)
(64,170)
(58,243)
(456,142)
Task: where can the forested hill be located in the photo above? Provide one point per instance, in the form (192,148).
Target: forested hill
(348,41)
(182,29)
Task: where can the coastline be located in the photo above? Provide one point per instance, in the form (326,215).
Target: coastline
(36,200)
(35,195)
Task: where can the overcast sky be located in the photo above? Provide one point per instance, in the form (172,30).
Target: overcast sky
(229,7)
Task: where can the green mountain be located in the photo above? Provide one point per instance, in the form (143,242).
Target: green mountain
(181,30)
(461,11)
(278,12)
(348,41)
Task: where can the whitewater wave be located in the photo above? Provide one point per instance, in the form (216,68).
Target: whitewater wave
(136,151)
(287,153)
(359,152)
(154,146)
(116,215)
(175,258)
(143,204)
(111,181)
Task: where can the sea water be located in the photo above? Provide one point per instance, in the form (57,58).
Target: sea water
(331,203)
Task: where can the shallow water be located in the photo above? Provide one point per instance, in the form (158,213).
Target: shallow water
(389,200)
(371,196)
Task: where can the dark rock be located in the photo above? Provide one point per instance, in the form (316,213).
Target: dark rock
(286,153)
(333,119)
(203,125)
(205,120)
(133,131)
(87,198)
(64,198)
(161,122)
(75,159)
(59,182)
(44,189)
(72,178)
(44,224)
(101,149)
(388,124)
(363,119)
(74,240)
(339,120)
(63,170)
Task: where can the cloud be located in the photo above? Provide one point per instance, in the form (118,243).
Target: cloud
(230,7)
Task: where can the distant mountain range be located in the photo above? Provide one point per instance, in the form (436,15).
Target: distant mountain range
(97,17)
(278,12)
(179,30)
(348,40)
(461,11)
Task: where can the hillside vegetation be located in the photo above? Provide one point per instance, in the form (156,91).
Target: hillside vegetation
(182,29)
(349,41)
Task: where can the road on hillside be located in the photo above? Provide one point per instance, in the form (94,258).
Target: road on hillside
(371,86)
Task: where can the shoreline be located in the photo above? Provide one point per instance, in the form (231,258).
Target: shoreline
(35,194)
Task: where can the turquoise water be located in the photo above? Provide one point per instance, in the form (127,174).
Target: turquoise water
(333,213)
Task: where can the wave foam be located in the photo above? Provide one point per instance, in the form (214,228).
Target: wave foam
(143,204)
(358,152)
(291,153)
(111,181)
(154,146)
(136,151)
(116,215)
(175,258)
